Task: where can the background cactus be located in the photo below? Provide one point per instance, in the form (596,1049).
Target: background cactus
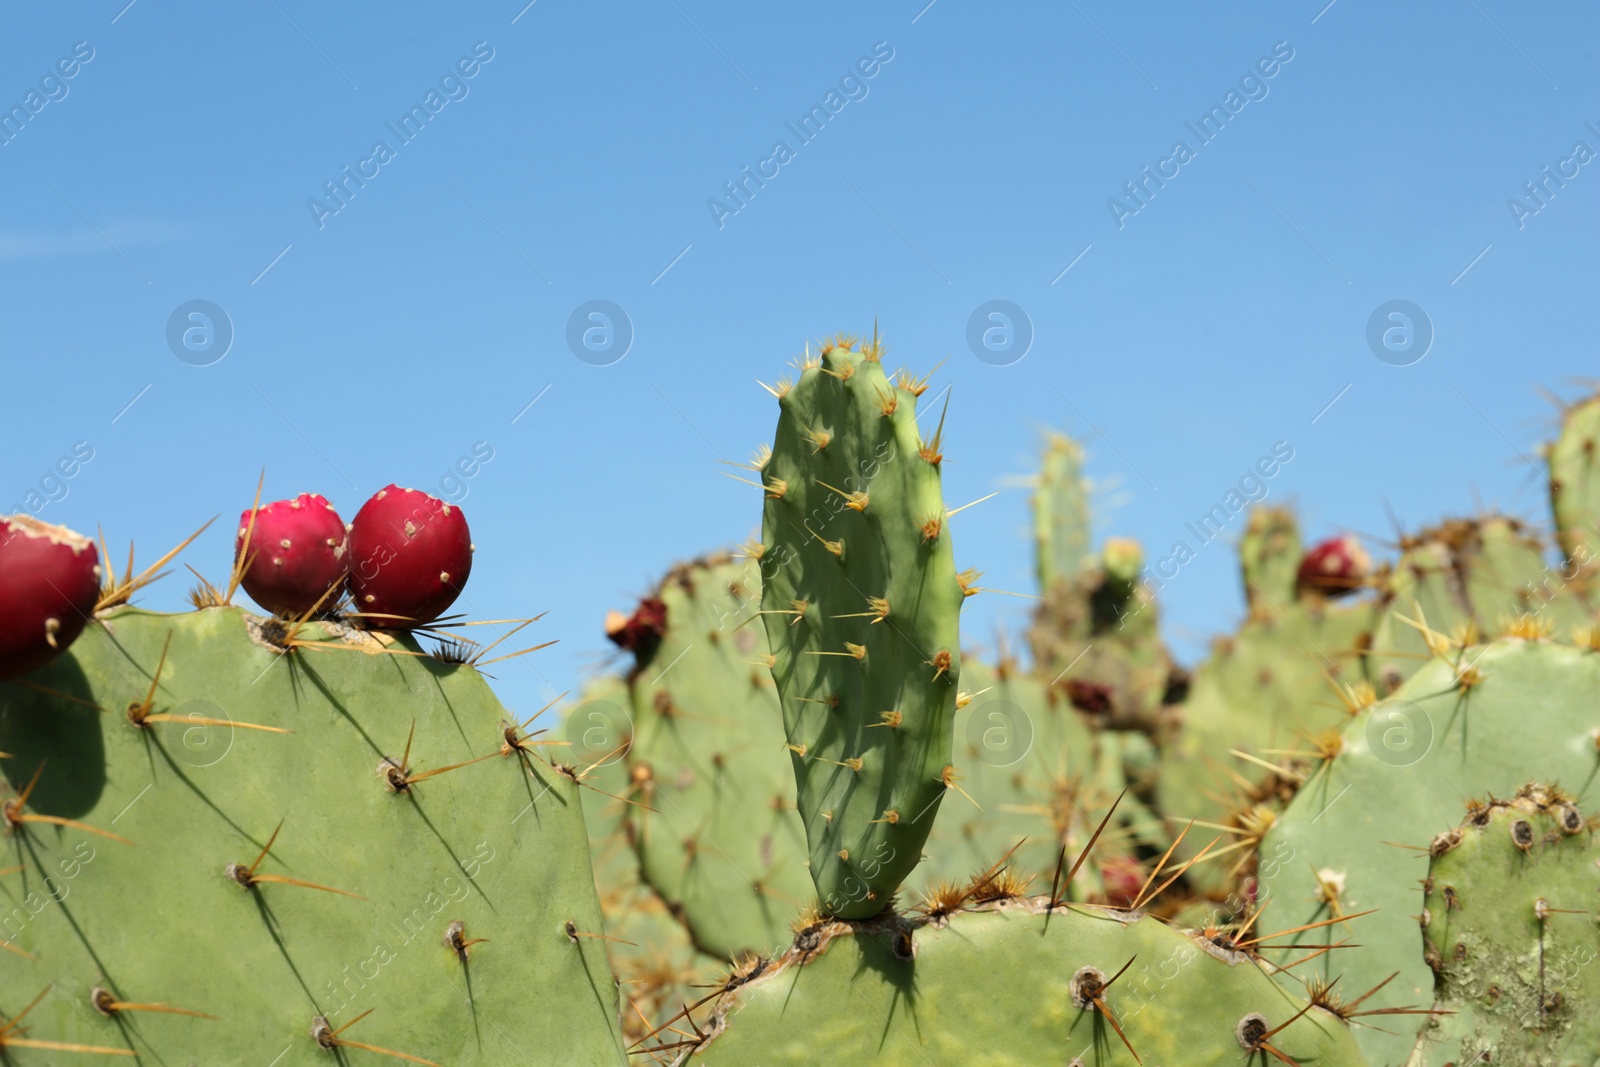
(1277,685)
(205,818)
(648,946)
(1508,927)
(1575,485)
(1033,770)
(1096,628)
(722,843)
(1480,572)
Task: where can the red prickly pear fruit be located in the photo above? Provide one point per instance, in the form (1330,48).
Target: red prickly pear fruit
(298,552)
(1095,699)
(49,582)
(1122,878)
(639,633)
(1334,567)
(410,554)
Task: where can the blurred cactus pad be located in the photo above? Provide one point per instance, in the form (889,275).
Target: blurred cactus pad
(802,817)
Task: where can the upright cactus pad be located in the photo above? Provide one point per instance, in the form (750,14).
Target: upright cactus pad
(1061,530)
(1575,482)
(1270,559)
(861,601)
(723,844)
(1016,983)
(1096,625)
(1484,719)
(202,820)
(1509,928)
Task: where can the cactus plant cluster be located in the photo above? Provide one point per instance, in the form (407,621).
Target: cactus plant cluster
(1248,798)
(805,822)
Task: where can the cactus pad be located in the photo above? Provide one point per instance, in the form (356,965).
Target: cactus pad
(139,863)
(1016,983)
(1509,929)
(861,601)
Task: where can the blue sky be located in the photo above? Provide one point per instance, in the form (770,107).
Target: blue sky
(580,160)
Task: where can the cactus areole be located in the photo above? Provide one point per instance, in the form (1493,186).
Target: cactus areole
(297,551)
(49,581)
(410,554)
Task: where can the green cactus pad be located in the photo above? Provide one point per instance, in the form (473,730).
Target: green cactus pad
(1269,557)
(1482,573)
(1575,482)
(723,845)
(1002,985)
(647,945)
(1509,927)
(498,845)
(861,602)
(1405,767)
(1061,530)
(1035,775)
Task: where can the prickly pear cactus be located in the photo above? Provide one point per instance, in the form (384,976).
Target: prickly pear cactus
(222,850)
(1269,558)
(1274,691)
(1015,983)
(1508,926)
(1575,483)
(1061,531)
(1471,573)
(648,947)
(1475,720)
(1034,771)
(1096,627)
(861,600)
(723,845)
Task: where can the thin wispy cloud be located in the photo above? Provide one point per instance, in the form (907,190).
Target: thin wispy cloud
(31,246)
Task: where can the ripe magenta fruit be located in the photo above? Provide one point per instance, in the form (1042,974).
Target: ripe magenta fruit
(410,554)
(49,582)
(298,552)
(1123,878)
(641,632)
(1334,567)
